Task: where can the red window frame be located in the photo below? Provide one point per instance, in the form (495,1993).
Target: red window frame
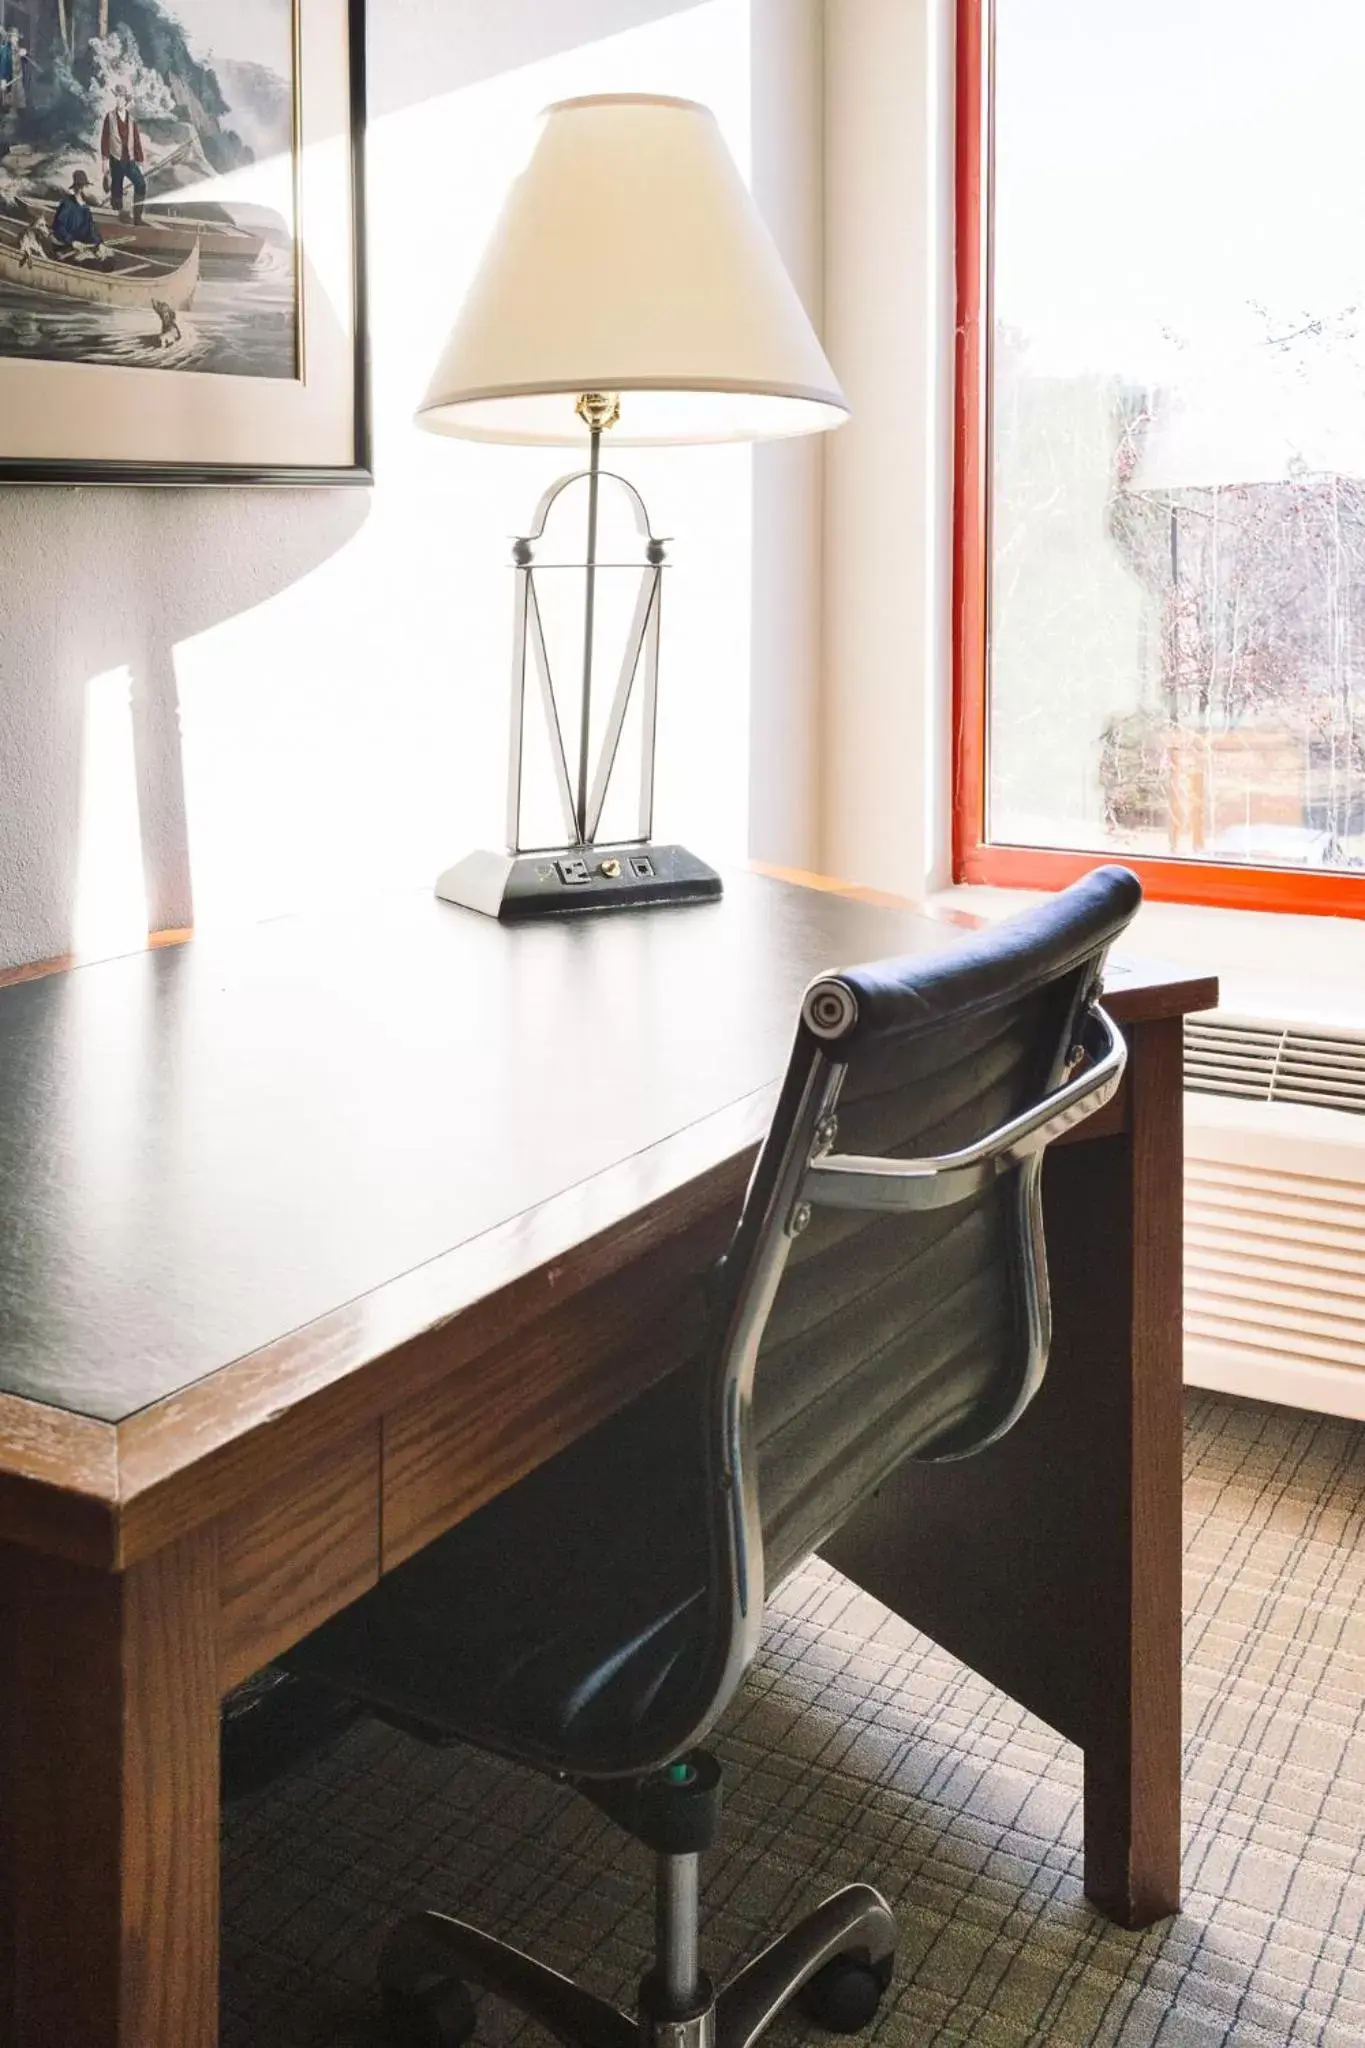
(975,857)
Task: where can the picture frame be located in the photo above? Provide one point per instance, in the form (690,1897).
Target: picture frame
(202,321)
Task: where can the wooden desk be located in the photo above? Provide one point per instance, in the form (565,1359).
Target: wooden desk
(313,1239)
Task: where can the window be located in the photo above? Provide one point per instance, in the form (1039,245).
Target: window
(1160,532)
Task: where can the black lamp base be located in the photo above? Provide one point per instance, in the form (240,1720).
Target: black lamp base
(568,881)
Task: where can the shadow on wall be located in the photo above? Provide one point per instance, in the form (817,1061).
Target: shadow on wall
(99,588)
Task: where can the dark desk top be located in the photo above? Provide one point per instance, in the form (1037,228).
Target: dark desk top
(205,1149)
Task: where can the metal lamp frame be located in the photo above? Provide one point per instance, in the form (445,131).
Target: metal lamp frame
(582,789)
(577,874)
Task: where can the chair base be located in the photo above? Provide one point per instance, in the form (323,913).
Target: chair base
(840,1956)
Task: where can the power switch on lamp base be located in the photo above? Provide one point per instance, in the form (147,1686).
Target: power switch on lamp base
(567,882)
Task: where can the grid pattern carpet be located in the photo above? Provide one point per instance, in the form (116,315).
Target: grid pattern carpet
(858,1749)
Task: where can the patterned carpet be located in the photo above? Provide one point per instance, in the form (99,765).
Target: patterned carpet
(858,1749)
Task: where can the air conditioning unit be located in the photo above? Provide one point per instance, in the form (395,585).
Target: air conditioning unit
(1275,1211)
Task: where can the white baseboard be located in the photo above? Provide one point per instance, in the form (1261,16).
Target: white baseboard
(1262,1376)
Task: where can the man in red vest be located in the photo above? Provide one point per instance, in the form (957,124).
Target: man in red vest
(123,154)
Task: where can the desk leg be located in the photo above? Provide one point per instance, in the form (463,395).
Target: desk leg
(1051,1563)
(109,1802)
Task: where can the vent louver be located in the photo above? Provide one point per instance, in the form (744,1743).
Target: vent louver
(1264,1061)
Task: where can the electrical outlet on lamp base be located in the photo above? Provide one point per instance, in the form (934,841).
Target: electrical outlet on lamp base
(567,881)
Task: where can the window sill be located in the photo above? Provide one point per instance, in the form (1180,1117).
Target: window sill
(1270,963)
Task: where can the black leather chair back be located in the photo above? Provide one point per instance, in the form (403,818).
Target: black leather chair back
(886,1292)
(912,1333)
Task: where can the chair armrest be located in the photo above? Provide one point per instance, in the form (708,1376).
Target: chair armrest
(844,1181)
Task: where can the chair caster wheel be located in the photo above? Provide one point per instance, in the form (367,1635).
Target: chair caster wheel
(843,1997)
(438,2014)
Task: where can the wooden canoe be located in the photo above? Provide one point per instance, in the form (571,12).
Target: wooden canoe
(126,283)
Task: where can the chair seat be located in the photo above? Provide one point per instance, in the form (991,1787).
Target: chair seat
(567,1624)
(564,1624)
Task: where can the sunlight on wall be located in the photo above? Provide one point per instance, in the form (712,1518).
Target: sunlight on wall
(303,730)
(349,735)
(111,902)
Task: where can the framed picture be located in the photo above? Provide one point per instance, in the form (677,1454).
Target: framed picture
(182,278)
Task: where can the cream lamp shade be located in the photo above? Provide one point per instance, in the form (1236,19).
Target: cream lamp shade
(630,259)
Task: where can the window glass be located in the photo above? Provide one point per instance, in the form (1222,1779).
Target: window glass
(1177,596)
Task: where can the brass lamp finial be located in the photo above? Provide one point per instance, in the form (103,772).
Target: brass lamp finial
(599,409)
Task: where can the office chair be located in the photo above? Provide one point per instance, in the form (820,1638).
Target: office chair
(884,1297)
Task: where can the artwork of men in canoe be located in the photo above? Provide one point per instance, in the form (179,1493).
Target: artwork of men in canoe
(147,192)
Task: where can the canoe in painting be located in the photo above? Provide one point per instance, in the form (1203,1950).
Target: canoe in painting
(125,282)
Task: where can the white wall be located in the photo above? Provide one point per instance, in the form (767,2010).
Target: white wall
(223,705)
(888,330)
(786,783)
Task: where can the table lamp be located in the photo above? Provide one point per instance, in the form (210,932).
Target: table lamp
(630,290)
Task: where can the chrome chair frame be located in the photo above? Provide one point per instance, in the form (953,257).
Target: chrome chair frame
(812,1173)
